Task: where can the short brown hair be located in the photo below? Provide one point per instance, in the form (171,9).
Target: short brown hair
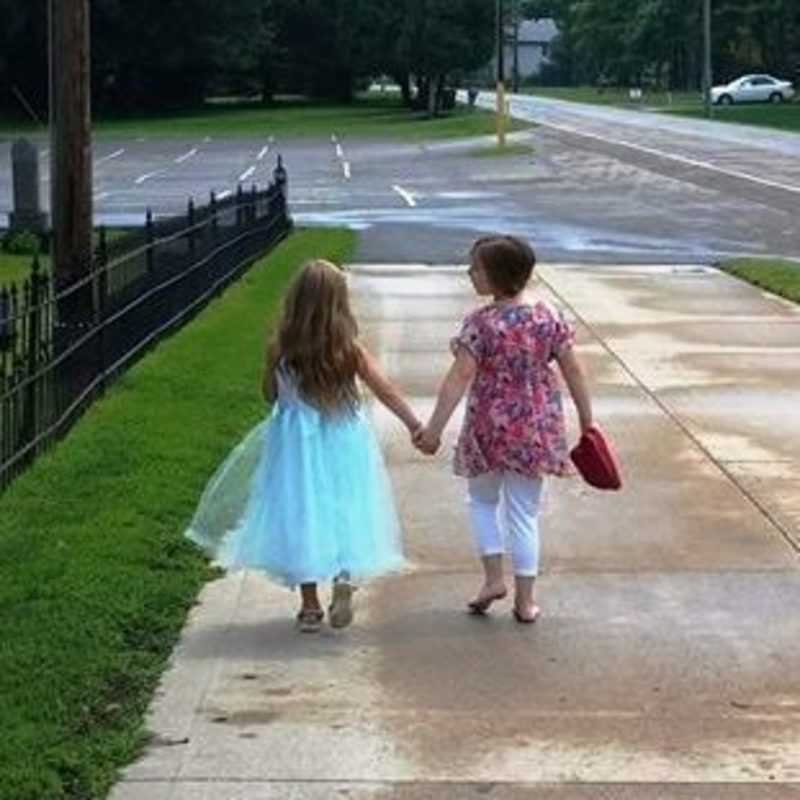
(508,261)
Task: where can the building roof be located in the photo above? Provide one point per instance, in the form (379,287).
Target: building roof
(537,31)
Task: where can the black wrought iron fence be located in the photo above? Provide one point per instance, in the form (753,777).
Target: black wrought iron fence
(60,346)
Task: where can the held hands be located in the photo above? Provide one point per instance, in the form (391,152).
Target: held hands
(425,440)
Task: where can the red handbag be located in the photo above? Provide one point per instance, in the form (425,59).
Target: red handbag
(595,459)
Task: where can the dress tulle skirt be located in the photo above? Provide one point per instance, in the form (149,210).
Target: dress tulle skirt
(303,498)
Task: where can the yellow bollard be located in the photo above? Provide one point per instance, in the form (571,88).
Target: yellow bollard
(501,114)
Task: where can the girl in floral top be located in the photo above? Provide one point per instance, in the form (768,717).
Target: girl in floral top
(513,433)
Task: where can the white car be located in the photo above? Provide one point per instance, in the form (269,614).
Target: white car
(753,89)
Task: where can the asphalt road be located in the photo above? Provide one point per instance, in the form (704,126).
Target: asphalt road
(602,185)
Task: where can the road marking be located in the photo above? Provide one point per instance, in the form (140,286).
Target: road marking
(339,151)
(333,138)
(101,196)
(263,153)
(223,195)
(346,170)
(146,177)
(406,195)
(691,162)
(186,156)
(246,174)
(45,153)
(115,154)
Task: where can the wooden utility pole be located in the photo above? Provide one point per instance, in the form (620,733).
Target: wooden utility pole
(501,75)
(515,21)
(70,139)
(707,70)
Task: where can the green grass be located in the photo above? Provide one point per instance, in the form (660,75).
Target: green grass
(785,117)
(615,96)
(14,269)
(95,576)
(493,151)
(775,275)
(378,117)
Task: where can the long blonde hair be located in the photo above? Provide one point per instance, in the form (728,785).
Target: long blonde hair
(317,338)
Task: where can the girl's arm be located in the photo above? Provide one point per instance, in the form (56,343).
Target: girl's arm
(455,384)
(575,379)
(385,390)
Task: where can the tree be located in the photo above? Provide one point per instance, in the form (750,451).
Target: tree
(439,39)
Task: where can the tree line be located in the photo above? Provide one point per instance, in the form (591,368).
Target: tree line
(157,53)
(639,42)
(160,53)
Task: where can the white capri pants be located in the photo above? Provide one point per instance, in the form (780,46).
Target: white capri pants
(505,505)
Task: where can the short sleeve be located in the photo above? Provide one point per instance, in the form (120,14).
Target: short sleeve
(471,337)
(563,333)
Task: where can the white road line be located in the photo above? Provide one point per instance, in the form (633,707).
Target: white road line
(346,170)
(45,153)
(115,154)
(223,195)
(339,151)
(262,153)
(146,177)
(333,138)
(186,156)
(691,162)
(406,195)
(101,196)
(246,174)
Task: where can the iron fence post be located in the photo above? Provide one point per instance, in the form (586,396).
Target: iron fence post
(150,238)
(213,211)
(239,204)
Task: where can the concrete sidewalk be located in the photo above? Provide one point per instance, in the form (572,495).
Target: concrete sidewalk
(666,665)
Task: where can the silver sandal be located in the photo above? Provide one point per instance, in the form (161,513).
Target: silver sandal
(309,620)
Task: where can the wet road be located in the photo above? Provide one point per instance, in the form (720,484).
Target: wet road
(601,185)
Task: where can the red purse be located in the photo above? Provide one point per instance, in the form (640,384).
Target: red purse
(595,459)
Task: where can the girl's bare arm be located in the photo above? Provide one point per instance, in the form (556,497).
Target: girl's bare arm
(386,391)
(455,384)
(575,379)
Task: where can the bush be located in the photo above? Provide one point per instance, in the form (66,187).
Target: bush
(22,243)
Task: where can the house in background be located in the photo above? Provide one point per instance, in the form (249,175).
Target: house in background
(534,39)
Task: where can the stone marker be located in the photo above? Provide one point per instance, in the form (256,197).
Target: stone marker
(27,214)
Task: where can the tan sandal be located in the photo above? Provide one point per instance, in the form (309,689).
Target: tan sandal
(309,620)
(340,611)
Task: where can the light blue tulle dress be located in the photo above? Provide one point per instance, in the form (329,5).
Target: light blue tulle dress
(304,497)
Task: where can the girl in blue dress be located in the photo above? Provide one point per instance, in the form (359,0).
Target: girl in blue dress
(305,497)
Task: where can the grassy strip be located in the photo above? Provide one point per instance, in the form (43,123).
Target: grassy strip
(14,269)
(95,577)
(774,275)
(370,116)
(785,117)
(615,96)
(493,151)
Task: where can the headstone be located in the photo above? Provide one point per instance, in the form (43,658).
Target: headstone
(27,214)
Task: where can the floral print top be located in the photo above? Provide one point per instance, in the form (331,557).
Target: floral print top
(515,418)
